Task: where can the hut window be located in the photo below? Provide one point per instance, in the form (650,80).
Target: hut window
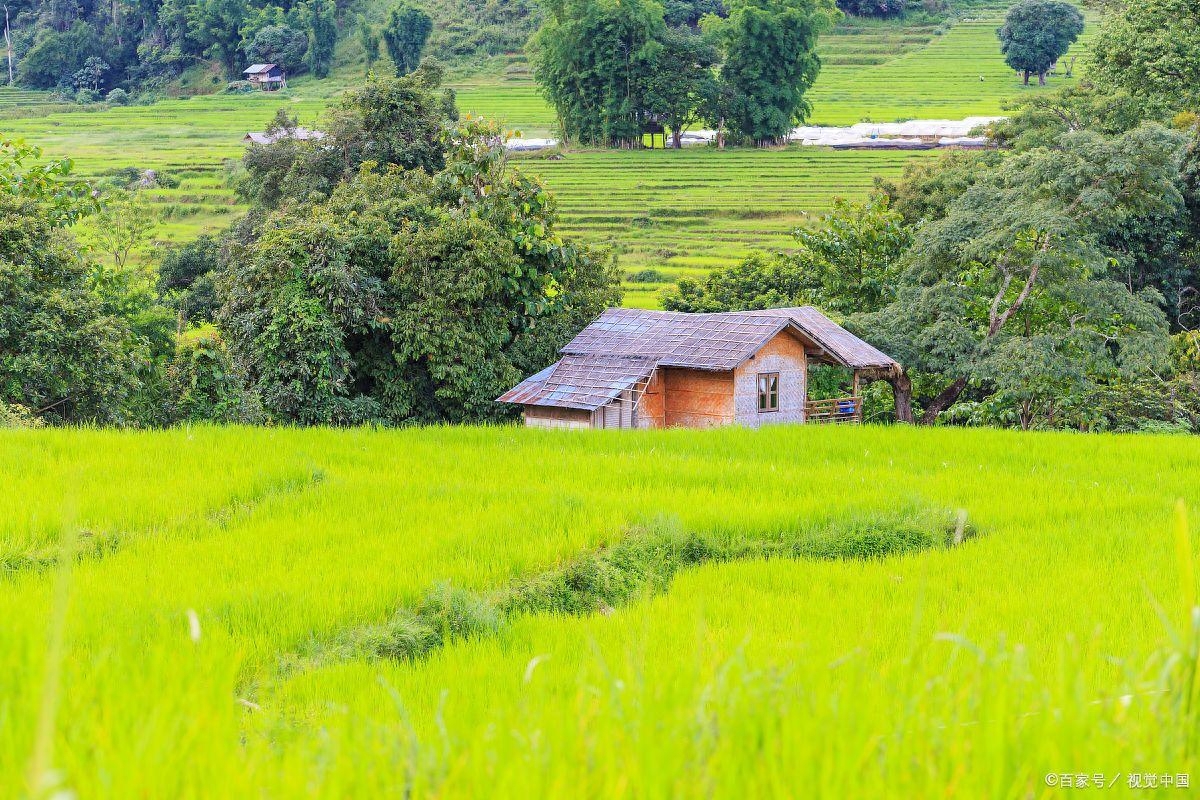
(768,391)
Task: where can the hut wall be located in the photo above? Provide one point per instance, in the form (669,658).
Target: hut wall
(785,354)
(651,411)
(696,398)
(550,417)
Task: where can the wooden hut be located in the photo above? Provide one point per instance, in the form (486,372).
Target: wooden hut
(652,369)
(267,77)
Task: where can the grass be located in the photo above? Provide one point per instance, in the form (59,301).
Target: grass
(761,627)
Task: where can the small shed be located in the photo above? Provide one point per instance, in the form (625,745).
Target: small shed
(267,77)
(651,369)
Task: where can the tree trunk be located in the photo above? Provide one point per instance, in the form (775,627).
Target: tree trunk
(902,392)
(943,401)
(1041,79)
(677,138)
(8,46)
(721,134)
(1026,77)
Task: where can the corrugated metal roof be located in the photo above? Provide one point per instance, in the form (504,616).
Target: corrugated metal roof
(625,345)
(255,69)
(586,382)
(718,341)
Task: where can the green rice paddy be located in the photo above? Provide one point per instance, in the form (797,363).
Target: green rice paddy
(200,643)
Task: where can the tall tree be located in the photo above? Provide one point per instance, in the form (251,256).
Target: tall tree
(405,34)
(409,296)
(1036,33)
(1151,49)
(1020,253)
(594,61)
(320,19)
(681,83)
(770,62)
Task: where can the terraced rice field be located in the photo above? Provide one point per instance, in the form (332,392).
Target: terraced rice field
(755,613)
(955,74)
(686,212)
(13,99)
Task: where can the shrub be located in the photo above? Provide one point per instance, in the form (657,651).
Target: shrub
(239,87)
(117,97)
(647,276)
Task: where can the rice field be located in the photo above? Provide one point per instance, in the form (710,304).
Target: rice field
(233,622)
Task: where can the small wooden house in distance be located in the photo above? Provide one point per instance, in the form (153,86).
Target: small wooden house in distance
(267,77)
(653,369)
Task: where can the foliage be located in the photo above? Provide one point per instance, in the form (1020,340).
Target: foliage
(278,44)
(873,8)
(1010,287)
(1036,33)
(593,61)
(204,386)
(387,121)
(1151,49)
(848,263)
(186,277)
(91,74)
(63,354)
(405,34)
(319,16)
(770,62)
(23,174)
(408,296)
(58,54)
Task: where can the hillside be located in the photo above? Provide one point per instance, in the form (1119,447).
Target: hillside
(242,605)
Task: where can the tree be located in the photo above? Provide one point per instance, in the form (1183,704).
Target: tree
(1151,49)
(63,356)
(594,61)
(1036,33)
(320,18)
(409,296)
(368,37)
(874,8)
(405,34)
(388,122)
(1019,254)
(186,278)
(278,44)
(681,82)
(56,56)
(770,62)
(91,74)
(124,223)
(215,26)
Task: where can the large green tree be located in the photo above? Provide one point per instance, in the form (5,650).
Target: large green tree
(1036,33)
(409,296)
(1151,49)
(387,122)
(769,63)
(1011,285)
(594,61)
(405,34)
(321,21)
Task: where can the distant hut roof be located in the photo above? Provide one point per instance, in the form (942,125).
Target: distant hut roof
(270,137)
(258,69)
(624,346)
